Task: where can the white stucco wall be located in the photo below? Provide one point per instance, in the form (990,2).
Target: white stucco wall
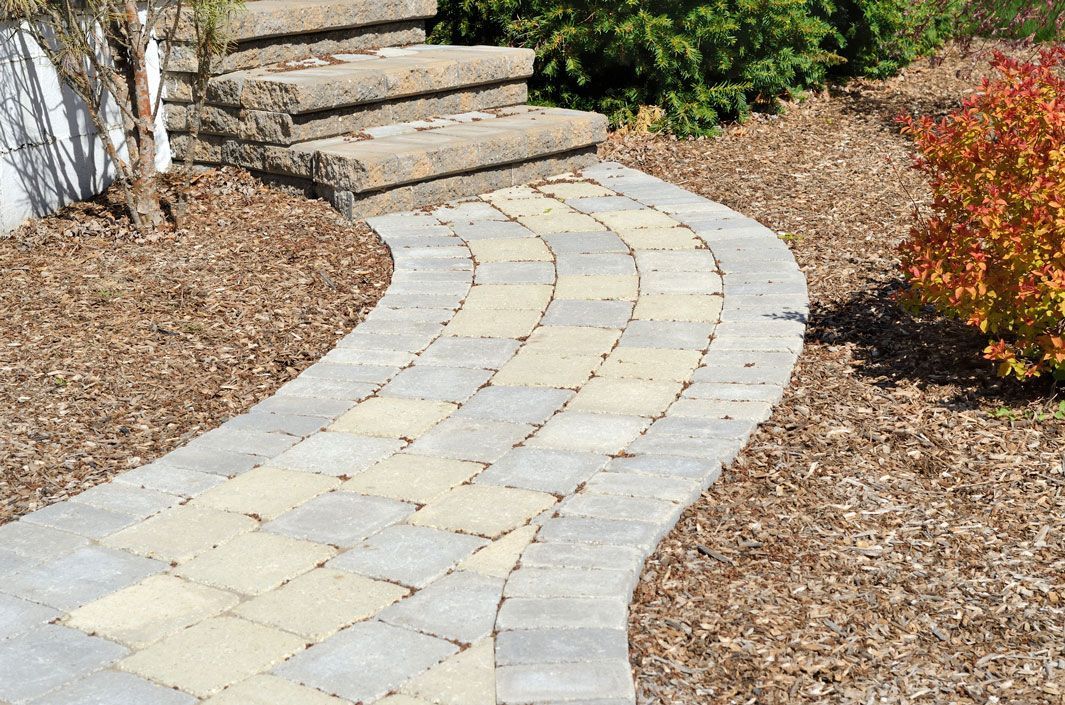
(49,153)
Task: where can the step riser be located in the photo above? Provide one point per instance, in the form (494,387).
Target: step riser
(284,129)
(253,54)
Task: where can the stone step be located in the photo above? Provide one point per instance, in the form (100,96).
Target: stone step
(271,31)
(409,165)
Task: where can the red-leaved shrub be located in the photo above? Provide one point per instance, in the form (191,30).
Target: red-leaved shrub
(992,253)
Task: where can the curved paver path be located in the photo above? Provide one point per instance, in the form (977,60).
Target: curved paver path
(552,377)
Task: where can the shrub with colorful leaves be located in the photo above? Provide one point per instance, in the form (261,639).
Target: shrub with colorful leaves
(992,252)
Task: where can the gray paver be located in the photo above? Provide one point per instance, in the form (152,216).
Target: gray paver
(666,334)
(597,314)
(47,658)
(531,405)
(543,469)
(339,390)
(537,683)
(485,353)
(336,453)
(340,518)
(597,506)
(471,439)
(583,555)
(560,645)
(247,441)
(212,460)
(411,555)
(370,374)
(562,613)
(456,384)
(304,406)
(460,606)
(672,489)
(569,582)
(124,499)
(170,479)
(81,519)
(366,661)
(608,264)
(667,465)
(115,688)
(291,424)
(38,542)
(18,616)
(615,532)
(11,562)
(491,230)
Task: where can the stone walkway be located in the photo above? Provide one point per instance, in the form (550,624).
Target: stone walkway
(555,373)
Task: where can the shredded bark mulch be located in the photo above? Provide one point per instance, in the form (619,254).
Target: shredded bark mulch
(896,532)
(117,349)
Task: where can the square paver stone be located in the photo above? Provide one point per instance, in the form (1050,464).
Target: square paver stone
(266,491)
(460,606)
(115,688)
(543,469)
(256,562)
(651,363)
(412,478)
(85,575)
(484,510)
(366,661)
(321,602)
(484,353)
(454,384)
(180,533)
(266,689)
(340,518)
(471,439)
(593,433)
(142,614)
(391,417)
(486,323)
(515,404)
(411,555)
(336,454)
(213,654)
(49,657)
(635,397)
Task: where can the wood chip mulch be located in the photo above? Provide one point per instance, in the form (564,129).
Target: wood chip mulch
(896,532)
(117,349)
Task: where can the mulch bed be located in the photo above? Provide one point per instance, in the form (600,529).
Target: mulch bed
(896,532)
(117,349)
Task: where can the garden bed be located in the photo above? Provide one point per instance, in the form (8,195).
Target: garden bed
(117,349)
(896,532)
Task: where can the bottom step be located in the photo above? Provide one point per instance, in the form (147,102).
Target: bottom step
(407,166)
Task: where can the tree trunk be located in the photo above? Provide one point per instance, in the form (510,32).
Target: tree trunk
(144,189)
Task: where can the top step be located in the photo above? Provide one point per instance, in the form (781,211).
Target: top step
(265,19)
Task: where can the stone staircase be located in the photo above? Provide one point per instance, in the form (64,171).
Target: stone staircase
(341,99)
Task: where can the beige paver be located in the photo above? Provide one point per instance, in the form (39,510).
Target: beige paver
(572,340)
(270,690)
(699,308)
(509,296)
(213,654)
(467,678)
(266,492)
(256,562)
(651,363)
(531,369)
(484,510)
(179,534)
(486,323)
(659,239)
(401,699)
(597,287)
(530,205)
(391,417)
(634,219)
(581,189)
(150,610)
(413,478)
(522,249)
(638,397)
(321,602)
(498,558)
(563,220)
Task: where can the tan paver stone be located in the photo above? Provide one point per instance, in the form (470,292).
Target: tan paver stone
(633,219)
(498,558)
(509,296)
(564,220)
(256,562)
(150,610)
(265,491)
(207,657)
(401,699)
(484,510)
(485,323)
(270,690)
(467,678)
(522,249)
(659,239)
(572,340)
(321,602)
(179,534)
(582,189)
(391,417)
(698,308)
(531,369)
(598,287)
(638,397)
(413,478)
(651,363)
(518,207)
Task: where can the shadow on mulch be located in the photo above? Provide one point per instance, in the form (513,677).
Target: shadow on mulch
(893,347)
